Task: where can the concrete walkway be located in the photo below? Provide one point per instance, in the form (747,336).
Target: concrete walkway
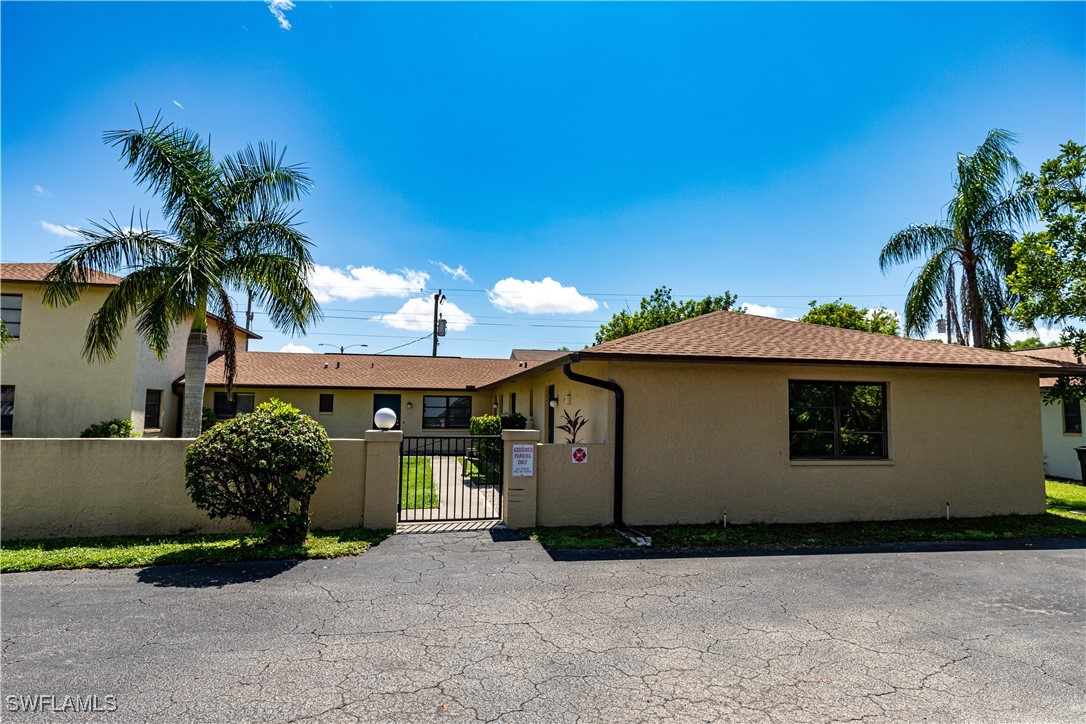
(483,626)
(458,498)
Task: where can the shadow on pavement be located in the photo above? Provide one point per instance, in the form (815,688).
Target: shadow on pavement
(214,575)
(633,554)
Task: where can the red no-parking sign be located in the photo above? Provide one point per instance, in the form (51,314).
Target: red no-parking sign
(580,455)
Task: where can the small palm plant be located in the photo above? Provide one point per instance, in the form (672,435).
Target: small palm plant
(572,426)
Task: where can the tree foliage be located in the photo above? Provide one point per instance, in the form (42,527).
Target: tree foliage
(660,310)
(230,226)
(967,256)
(1049,272)
(849,316)
(262,466)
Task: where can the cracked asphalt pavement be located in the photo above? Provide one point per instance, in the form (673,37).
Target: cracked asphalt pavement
(481,626)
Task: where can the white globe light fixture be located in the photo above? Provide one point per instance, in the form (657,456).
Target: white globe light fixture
(384,419)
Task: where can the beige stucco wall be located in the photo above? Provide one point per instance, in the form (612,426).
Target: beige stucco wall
(352,410)
(574,493)
(1061,459)
(705,438)
(594,403)
(57,392)
(73,487)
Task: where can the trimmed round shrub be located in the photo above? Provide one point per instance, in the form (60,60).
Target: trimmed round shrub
(109,428)
(264,467)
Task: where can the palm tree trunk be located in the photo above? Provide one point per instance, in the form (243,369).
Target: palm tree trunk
(974,305)
(195,372)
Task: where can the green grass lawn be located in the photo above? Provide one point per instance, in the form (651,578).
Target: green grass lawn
(480,473)
(129,551)
(1056,523)
(417,483)
(1066,495)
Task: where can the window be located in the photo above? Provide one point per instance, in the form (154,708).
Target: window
(1072,417)
(152,410)
(326,402)
(439,412)
(512,401)
(11,311)
(224,408)
(7,408)
(837,420)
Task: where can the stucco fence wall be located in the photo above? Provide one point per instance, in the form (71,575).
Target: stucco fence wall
(71,487)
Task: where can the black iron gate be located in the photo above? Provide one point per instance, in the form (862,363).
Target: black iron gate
(450,478)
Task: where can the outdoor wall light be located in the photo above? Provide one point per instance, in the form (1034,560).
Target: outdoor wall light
(554,402)
(495,405)
(384,419)
(409,405)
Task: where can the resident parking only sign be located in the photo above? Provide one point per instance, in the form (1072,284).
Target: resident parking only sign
(523,461)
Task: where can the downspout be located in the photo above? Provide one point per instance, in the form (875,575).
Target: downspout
(620,419)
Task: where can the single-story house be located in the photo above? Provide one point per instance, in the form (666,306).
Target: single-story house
(1061,422)
(757,418)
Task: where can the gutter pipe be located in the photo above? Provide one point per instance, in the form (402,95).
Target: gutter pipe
(620,420)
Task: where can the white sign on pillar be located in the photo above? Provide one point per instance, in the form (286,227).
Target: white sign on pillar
(523,460)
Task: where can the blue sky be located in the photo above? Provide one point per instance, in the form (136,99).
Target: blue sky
(546,164)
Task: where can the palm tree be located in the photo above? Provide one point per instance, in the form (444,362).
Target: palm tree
(230,226)
(969,254)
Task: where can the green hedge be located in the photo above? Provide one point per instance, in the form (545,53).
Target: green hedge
(109,428)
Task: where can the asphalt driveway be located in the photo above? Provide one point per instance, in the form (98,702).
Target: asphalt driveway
(461,626)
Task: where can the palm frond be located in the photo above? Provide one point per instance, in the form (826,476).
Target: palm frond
(281,287)
(107,247)
(227,338)
(915,241)
(174,163)
(258,174)
(927,293)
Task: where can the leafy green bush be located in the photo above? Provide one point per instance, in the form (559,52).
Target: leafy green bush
(514,421)
(263,467)
(109,428)
(208,420)
(487,449)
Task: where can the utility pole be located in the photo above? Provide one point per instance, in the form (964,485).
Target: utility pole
(249,312)
(438,299)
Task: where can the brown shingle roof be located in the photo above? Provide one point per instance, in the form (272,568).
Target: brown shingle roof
(537,355)
(730,336)
(1060,354)
(289,369)
(37,272)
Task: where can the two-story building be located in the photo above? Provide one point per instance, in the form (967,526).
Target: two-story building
(47,387)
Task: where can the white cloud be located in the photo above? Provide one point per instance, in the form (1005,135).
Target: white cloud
(40,190)
(66,231)
(544,297)
(291,347)
(363,282)
(178,104)
(279,8)
(760,310)
(418,315)
(458,273)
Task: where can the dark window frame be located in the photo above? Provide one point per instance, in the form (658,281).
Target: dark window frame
(224,409)
(156,417)
(1072,417)
(837,408)
(14,331)
(444,420)
(7,416)
(328,397)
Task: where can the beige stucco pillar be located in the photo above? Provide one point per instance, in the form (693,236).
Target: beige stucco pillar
(382,478)
(519,504)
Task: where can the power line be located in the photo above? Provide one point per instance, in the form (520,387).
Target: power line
(425,336)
